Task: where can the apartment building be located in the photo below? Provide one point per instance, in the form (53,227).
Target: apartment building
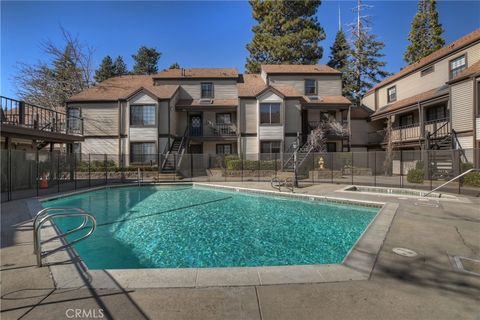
(432,104)
(215,111)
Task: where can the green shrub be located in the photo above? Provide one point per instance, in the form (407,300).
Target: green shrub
(419,165)
(415,176)
(472,179)
(252,165)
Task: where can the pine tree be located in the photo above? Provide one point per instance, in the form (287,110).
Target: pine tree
(119,67)
(436,29)
(366,66)
(339,59)
(287,32)
(105,70)
(426,32)
(146,60)
(174,66)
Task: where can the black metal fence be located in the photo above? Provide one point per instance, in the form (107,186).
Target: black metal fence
(30,174)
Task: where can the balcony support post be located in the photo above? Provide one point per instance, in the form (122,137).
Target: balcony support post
(422,124)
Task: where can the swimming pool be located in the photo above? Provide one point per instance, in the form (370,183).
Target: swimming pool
(187,226)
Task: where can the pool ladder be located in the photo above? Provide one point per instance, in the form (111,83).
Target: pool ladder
(48,214)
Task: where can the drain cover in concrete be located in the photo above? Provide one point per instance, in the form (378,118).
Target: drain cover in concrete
(404,252)
(467,265)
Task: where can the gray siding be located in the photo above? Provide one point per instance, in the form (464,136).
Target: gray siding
(293,116)
(190,89)
(327,85)
(100,119)
(248,116)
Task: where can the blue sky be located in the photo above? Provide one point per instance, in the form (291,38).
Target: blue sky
(194,34)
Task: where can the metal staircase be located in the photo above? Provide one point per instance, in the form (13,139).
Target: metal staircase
(302,154)
(442,158)
(48,214)
(174,155)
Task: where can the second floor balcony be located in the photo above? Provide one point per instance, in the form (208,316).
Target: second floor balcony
(331,128)
(17,113)
(213,129)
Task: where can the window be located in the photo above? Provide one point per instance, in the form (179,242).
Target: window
(270,147)
(224,149)
(427,70)
(224,118)
(142,152)
(405,120)
(73,121)
(457,65)
(331,147)
(269,113)
(392,94)
(437,113)
(310,87)
(207,90)
(327,115)
(142,115)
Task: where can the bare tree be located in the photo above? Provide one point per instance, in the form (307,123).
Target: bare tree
(67,72)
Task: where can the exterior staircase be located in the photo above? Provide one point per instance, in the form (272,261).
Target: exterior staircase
(303,153)
(174,155)
(444,160)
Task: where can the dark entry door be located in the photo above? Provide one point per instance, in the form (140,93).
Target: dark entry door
(196,125)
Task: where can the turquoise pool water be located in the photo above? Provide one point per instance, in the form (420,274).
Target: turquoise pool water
(185,226)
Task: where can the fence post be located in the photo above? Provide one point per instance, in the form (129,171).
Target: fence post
(457,154)
(175,167)
(106,169)
(75,171)
(331,166)
(37,181)
(374,168)
(313,168)
(191,167)
(275,164)
(259,166)
(241,163)
(58,171)
(352,168)
(89,175)
(401,168)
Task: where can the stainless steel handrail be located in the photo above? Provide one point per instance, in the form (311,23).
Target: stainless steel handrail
(453,179)
(59,212)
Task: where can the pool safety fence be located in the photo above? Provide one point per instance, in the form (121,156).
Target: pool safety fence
(27,174)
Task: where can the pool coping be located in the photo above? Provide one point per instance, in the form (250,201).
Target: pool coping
(443,196)
(69,271)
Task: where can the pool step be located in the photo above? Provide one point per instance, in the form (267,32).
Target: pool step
(167,176)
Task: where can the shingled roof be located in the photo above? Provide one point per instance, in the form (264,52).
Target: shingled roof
(122,87)
(298,68)
(448,49)
(410,101)
(197,73)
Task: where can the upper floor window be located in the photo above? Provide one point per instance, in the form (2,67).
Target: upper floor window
(427,70)
(457,65)
(142,115)
(310,87)
(224,118)
(207,90)
(269,113)
(392,94)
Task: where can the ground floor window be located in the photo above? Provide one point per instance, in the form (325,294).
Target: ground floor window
(270,147)
(142,152)
(224,149)
(331,147)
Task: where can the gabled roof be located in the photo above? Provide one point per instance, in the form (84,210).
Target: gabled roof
(448,49)
(300,68)
(410,101)
(123,87)
(252,85)
(197,73)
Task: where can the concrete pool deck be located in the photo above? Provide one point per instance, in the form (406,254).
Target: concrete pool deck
(398,288)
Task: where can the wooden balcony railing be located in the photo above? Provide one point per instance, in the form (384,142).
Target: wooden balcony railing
(439,128)
(406,133)
(220,130)
(22,114)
